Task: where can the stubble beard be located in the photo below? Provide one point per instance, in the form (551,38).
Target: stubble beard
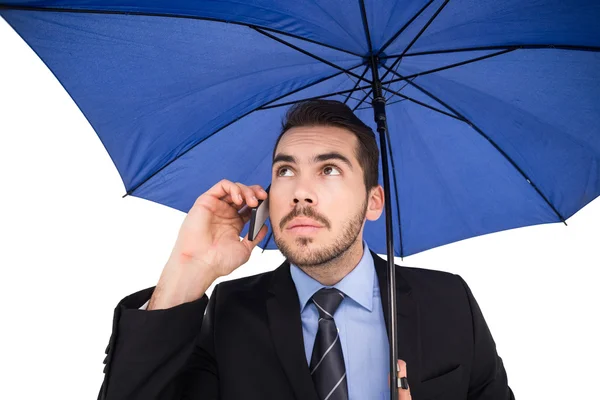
(302,256)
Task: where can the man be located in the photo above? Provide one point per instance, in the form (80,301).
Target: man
(314,328)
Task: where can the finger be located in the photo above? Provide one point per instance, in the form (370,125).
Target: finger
(259,192)
(245,213)
(227,199)
(250,245)
(403,394)
(248,195)
(225,187)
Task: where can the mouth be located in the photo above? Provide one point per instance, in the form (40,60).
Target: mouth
(303,226)
(304,229)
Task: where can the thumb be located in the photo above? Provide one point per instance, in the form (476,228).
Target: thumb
(403,394)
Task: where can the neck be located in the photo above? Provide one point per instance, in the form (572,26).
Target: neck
(335,270)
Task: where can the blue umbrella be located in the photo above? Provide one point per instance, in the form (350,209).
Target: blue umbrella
(487,110)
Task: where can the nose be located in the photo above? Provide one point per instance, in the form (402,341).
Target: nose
(304,195)
(300,201)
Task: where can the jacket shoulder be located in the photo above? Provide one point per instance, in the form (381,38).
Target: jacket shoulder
(252,286)
(415,273)
(433,283)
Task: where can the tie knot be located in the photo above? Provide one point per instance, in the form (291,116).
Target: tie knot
(327,301)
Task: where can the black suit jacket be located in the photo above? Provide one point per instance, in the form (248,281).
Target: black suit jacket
(248,345)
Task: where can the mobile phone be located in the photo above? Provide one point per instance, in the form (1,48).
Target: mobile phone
(258,217)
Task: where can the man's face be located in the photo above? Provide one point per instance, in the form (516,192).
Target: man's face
(316,180)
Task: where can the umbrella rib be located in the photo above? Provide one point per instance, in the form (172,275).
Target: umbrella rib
(410,21)
(440,68)
(308,53)
(395,69)
(500,47)
(356,84)
(392,96)
(268,239)
(478,130)
(321,96)
(450,66)
(362,100)
(129,192)
(354,98)
(148,14)
(267,107)
(423,104)
(363,13)
(423,29)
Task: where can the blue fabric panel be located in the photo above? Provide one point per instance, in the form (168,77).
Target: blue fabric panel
(469,23)
(425,63)
(429,62)
(338,83)
(156,92)
(452,184)
(542,107)
(326,53)
(334,22)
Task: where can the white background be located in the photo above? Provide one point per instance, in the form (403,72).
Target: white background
(71,248)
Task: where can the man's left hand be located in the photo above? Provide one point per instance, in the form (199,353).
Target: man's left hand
(403,394)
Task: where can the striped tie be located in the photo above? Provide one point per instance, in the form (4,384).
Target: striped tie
(327,362)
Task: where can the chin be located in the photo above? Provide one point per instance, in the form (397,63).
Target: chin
(300,244)
(307,250)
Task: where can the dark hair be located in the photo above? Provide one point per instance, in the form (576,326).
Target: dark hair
(337,114)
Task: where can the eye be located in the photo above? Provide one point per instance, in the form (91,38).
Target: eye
(279,170)
(331,168)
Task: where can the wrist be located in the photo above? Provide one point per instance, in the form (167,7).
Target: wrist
(181,283)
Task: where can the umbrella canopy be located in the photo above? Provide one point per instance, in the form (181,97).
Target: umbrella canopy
(493,106)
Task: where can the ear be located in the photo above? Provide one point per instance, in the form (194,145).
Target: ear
(375,203)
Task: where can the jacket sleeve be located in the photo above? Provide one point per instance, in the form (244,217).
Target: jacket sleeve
(488,380)
(161,354)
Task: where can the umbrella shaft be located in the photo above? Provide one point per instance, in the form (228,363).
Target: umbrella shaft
(381,121)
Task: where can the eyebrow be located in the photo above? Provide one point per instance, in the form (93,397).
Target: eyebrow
(334,155)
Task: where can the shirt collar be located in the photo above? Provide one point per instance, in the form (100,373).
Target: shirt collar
(358,284)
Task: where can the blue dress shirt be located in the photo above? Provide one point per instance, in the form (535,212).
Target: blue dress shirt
(360,321)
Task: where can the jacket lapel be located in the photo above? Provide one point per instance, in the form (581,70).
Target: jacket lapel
(285,324)
(407,319)
(283,310)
